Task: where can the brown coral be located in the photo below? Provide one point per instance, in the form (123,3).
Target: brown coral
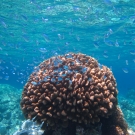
(70,88)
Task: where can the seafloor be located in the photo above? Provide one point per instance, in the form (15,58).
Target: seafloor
(11,116)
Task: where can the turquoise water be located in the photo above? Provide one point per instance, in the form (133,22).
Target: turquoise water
(34,30)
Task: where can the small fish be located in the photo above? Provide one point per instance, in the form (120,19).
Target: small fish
(67,43)
(49,7)
(116,44)
(44,19)
(126,62)
(24,17)
(107,35)
(96,44)
(110,31)
(132,52)
(109,43)
(21,73)
(105,55)
(59,36)
(76,8)
(4,24)
(46,38)
(25,38)
(125,70)
(43,50)
(13,72)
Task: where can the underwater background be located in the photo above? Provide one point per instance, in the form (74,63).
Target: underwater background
(34,30)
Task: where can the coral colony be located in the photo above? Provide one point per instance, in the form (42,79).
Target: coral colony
(73,95)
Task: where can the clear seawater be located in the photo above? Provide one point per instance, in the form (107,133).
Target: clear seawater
(34,30)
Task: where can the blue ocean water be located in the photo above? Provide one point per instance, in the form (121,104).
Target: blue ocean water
(34,30)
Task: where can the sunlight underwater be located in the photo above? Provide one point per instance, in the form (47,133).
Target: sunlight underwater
(46,89)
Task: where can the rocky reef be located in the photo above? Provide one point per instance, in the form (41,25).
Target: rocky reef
(10,113)
(127,104)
